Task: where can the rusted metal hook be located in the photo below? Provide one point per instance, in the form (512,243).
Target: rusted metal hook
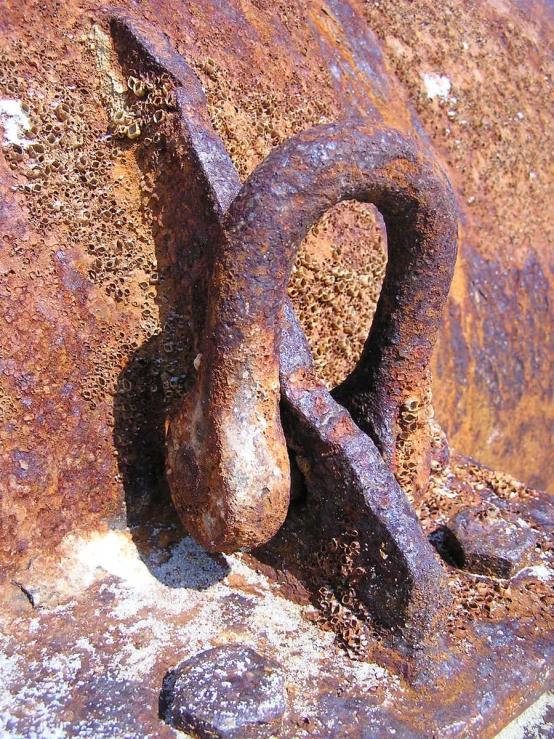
(227,459)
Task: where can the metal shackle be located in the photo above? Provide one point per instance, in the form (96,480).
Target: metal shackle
(227,458)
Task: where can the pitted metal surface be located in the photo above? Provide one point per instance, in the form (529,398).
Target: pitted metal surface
(90,659)
(238,377)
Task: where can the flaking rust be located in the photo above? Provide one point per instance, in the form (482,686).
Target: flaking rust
(256,391)
(110,245)
(347,478)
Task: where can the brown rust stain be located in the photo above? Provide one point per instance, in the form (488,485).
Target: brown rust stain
(51,442)
(495,308)
(495,137)
(61,468)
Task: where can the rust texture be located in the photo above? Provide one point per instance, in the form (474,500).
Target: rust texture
(392,374)
(289,192)
(238,374)
(230,692)
(104,282)
(360,516)
(487,542)
(98,633)
(493,378)
(309,174)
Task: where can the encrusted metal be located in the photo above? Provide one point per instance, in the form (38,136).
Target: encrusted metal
(114,200)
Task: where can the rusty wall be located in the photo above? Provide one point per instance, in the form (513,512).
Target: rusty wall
(493,367)
(91,341)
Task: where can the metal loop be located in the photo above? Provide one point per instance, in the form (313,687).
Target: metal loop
(236,440)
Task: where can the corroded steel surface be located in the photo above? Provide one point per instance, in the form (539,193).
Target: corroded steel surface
(238,373)
(360,516)
(111,621)
(494,378)
(348,161)
(143,45)
(230,692)
(288,193)
(84,354)
(487,542)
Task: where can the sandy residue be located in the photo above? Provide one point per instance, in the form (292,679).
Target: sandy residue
(111,623)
